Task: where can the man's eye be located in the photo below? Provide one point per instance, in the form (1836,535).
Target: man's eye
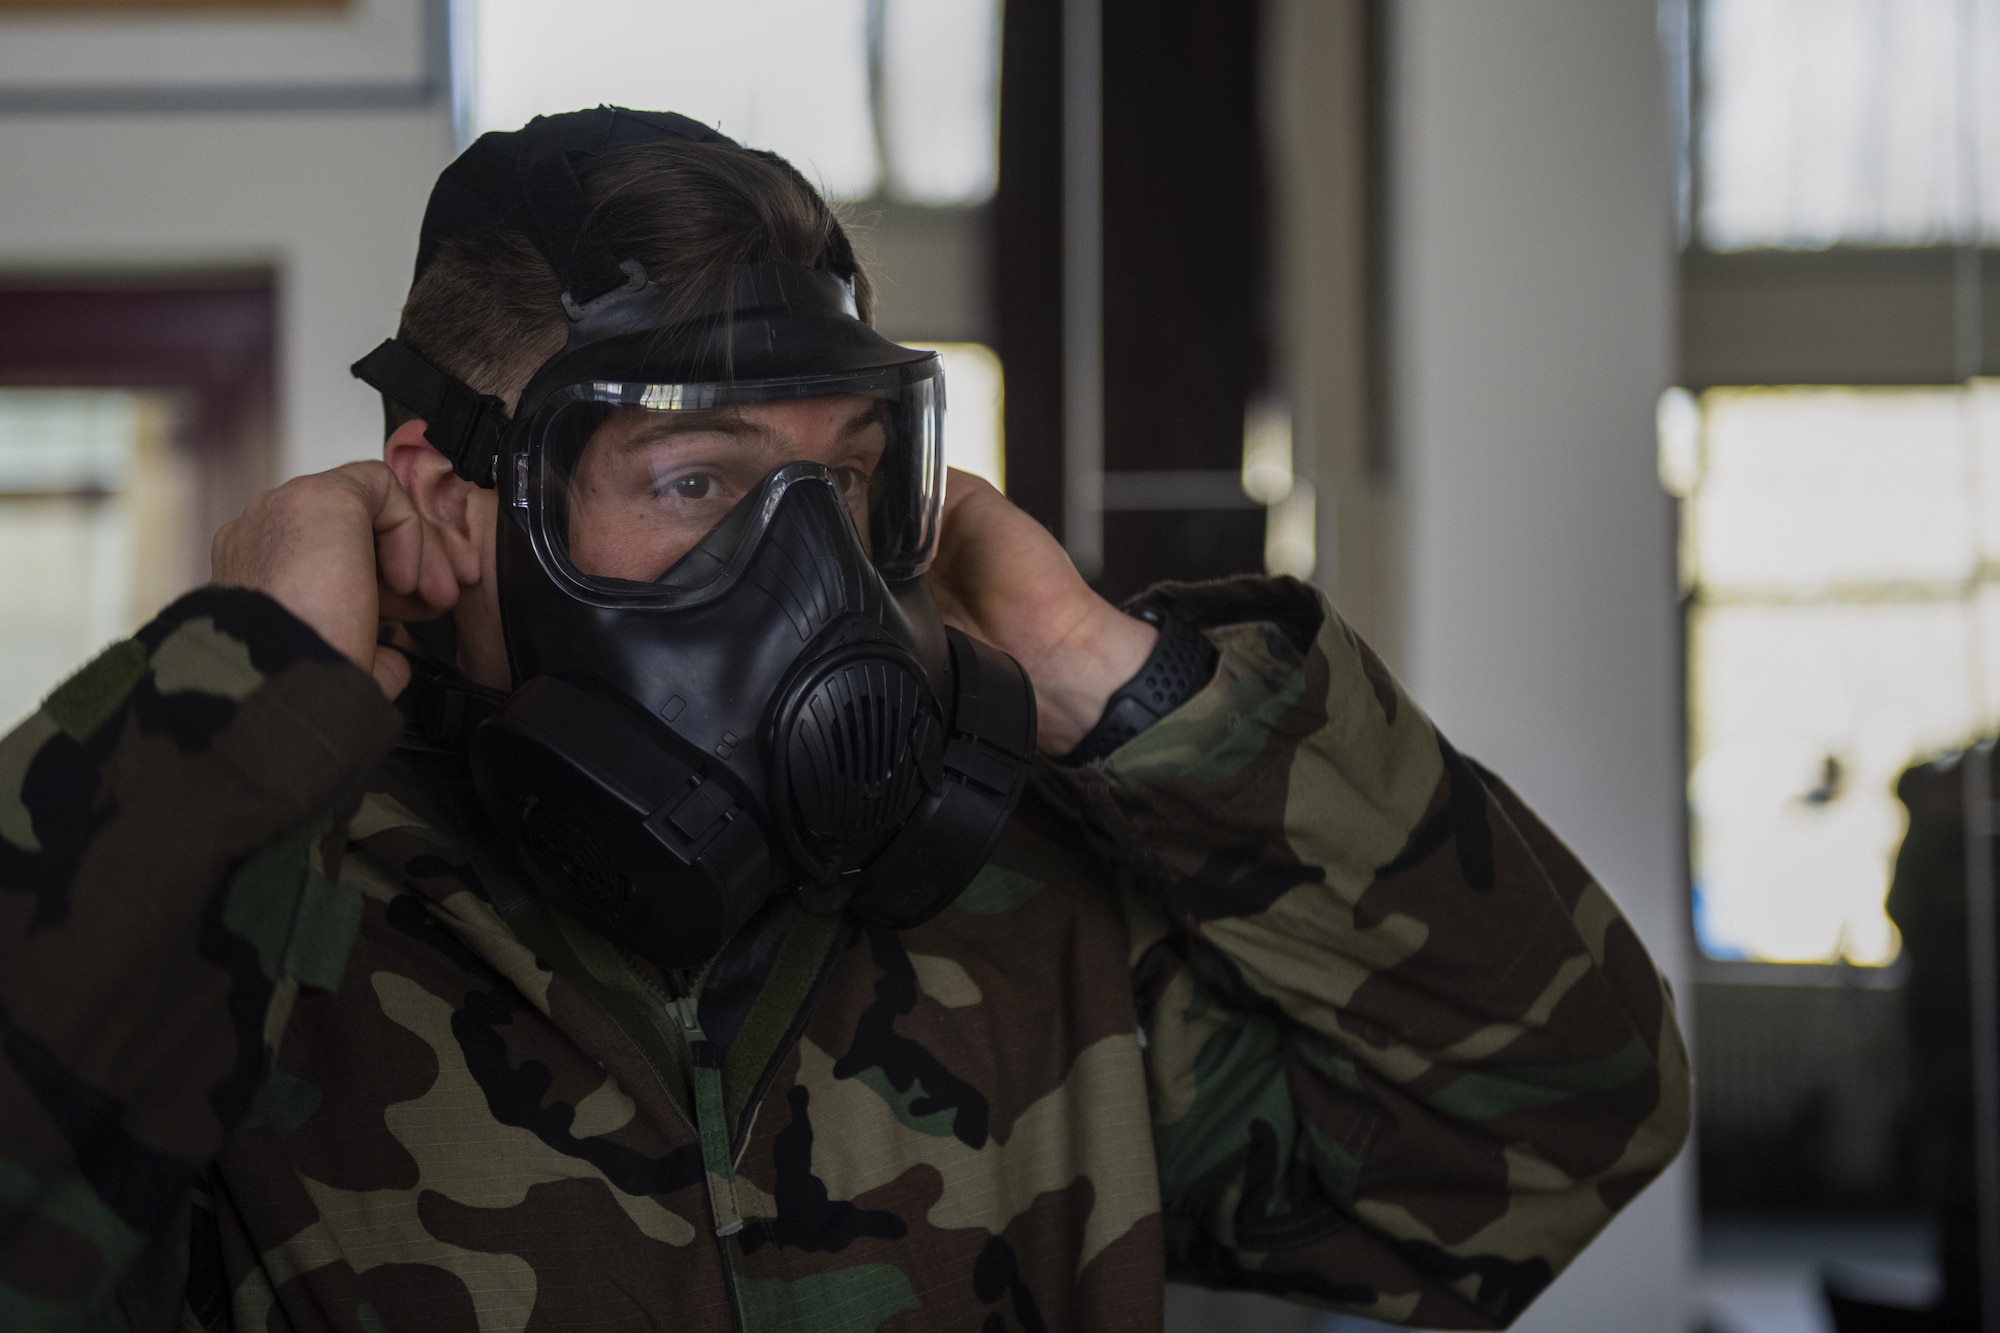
(698,486)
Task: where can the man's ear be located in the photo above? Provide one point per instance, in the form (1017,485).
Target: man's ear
(441,496)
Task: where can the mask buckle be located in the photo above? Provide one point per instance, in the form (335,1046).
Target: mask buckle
(635,279)
(459,422)
(825,897)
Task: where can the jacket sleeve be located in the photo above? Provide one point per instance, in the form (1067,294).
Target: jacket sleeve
(1406,1057)
(160,906)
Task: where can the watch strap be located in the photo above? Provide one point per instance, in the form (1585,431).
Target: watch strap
(1181,663)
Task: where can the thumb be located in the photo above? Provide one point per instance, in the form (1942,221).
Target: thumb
(391,671)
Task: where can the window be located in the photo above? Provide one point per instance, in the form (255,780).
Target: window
(1836,456)
(859,96)
(90,498)
(1839,554)
(1848,121)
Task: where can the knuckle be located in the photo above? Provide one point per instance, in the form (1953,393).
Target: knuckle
(311,493)
(297,492)
(365,473)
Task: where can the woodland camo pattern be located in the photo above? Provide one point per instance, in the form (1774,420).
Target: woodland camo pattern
(1286,995)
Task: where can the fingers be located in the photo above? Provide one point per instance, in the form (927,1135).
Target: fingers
(398,527)
(412,558)
(339,550)
(391,671)
(399,531)
(962,487)
(958,483)
(416,574)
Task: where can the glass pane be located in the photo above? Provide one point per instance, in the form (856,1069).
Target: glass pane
(67,458)
(65,440)
(1812,490)
(788,75)
(1802,717)
(1985,666)
(1827,121)
(68,590)
(940,99)
(1839,544)
(1983,400)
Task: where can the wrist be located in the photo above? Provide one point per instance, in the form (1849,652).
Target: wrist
(1180,665)
(1076,680)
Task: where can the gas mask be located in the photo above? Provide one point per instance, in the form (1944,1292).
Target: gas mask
(716,521)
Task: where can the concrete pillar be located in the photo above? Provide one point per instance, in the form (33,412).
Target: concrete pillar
(1531,312)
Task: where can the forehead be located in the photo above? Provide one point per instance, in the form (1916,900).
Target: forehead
(799,418)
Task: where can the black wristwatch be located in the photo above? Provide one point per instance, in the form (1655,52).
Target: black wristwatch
(1180,664)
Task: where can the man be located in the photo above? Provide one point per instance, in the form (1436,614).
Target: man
(699,946)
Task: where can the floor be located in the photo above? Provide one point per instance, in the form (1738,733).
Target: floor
(1191,1310)
(1764,1277)
(1756,1277)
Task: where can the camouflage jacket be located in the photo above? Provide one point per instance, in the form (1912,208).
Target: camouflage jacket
(1286,995)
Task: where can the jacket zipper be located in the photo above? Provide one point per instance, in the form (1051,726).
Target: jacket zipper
(711,1127)
(680,998)
(801,1016)
(711,1120)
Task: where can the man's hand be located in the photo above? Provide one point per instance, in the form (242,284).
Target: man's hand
(340,550)
(1002,578)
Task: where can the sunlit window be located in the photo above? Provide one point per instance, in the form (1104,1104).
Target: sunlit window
(814,80)
(1874,122)
(89,498)
(974,436)
(1841,550)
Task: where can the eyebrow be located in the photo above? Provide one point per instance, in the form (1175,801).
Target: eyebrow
(863,419)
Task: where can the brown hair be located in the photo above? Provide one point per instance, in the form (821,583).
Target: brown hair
(488,310)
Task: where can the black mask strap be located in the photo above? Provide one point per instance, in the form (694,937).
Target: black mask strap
(440,706)
(462,425)
(561,228)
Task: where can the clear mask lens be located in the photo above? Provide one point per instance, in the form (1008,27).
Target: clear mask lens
(624,481)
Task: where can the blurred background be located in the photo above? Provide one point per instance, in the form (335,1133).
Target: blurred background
(1617,365)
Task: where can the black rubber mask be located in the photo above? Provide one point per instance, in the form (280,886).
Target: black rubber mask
(717,519)
(769,712)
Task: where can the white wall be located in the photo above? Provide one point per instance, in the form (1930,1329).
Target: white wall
(330,199)
(360,43)
(1532,329)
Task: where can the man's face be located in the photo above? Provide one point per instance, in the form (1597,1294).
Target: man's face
(650,485)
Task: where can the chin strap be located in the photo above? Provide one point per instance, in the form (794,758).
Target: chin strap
(440,705)
(462,425)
